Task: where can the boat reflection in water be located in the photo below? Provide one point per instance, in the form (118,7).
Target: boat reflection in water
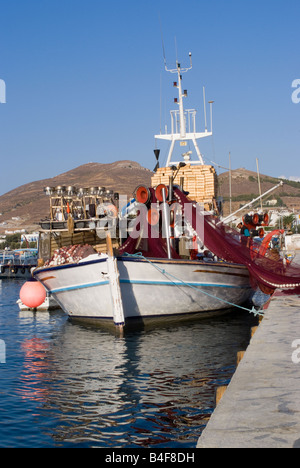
(146,389)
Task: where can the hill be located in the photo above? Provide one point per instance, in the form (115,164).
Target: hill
(29,204)
(244,186)
(25,206)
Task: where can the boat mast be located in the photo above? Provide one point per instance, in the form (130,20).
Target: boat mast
(187,121)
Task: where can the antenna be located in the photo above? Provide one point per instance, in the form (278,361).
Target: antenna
(211,121)
(182,70)
(182,130)
(176,50)
(160,102)
(204,102)
(162,42)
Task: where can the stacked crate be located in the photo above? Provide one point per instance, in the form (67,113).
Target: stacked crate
(199,181)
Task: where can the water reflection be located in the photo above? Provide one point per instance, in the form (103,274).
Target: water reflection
(36,364)
(66,385)
(145,389)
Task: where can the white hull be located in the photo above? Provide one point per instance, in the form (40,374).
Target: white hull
(160,288)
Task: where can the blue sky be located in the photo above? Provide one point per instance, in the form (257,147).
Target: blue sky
(85,80)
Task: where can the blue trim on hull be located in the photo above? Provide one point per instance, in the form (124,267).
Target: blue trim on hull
(180,283)
(149,283)
(80,286)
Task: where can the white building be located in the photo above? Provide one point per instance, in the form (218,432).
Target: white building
(30,237)
(271,202)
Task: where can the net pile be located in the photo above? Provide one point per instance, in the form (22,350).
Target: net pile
(266,268)
(70,254)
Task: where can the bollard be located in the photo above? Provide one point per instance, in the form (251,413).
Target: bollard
(219,393)
(239,357)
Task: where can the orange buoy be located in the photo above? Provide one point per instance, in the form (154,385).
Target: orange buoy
(153,217)
(159,192)
(266,219)
(32,294)
(255,219)
(142,194)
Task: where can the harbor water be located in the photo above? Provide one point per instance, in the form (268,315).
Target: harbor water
(67,385)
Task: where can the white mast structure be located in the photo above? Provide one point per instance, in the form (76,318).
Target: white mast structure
(183,121)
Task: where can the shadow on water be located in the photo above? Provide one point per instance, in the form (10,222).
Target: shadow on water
(74,385)
(136,324)
(150,323)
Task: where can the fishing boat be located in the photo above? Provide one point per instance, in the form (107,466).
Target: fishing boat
(154,270)
(149,288)
(17,263)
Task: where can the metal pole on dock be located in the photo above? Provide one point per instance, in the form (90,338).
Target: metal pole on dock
(114,282)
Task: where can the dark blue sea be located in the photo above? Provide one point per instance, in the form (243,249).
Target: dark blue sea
(67,385)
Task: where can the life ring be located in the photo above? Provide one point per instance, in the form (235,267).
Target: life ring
(260,251)
(266,242)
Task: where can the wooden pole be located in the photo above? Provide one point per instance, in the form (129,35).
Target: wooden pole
(113,273)
(259,186)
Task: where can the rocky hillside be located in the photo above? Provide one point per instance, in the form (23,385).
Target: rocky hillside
(245,188)
(25,206)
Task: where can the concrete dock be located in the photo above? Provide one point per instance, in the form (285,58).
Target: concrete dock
(261,406)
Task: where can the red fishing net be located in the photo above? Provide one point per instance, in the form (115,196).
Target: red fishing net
(147,238)
(70,254)
(267,268)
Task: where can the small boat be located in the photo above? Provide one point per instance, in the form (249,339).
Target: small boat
(48,304)
(17,263)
